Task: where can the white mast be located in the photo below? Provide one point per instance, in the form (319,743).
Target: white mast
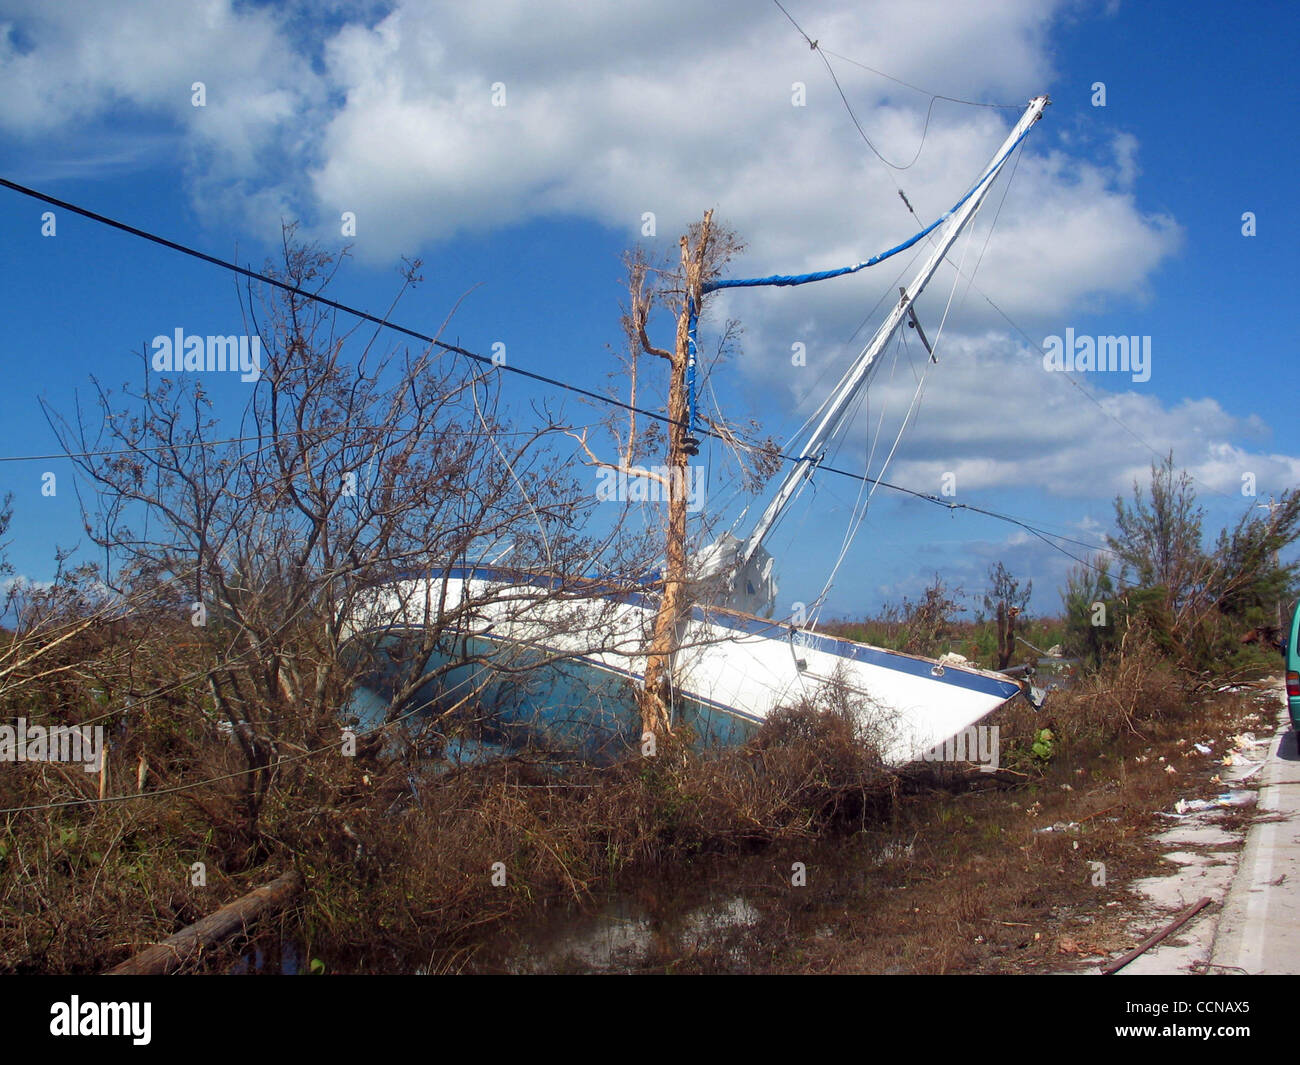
(748,589)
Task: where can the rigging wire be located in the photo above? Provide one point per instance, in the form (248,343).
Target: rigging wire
(1087,393)
(537,519)
(1074,383)
(858,512)
(848,107)
(1006,188)
(822,54)
(815,45)
(916,88)
(907,417)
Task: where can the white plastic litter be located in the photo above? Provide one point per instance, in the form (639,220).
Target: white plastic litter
(1060,826)
(1228,798)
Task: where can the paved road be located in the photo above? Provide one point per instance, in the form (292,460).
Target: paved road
(1259,929)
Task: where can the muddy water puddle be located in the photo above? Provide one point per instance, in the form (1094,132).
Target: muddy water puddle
(736,915)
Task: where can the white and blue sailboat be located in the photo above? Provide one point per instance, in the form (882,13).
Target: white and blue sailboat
(561,662)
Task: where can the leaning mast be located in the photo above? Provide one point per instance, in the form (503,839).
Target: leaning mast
(840,402)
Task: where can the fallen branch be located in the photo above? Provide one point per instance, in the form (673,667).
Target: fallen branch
(1147,944)
(944,774)
(235,918)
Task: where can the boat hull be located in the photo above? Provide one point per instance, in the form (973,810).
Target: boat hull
(550,667)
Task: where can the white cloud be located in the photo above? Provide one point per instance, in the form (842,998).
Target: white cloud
(612,110)
(992,416)
(674,106)
(74,68)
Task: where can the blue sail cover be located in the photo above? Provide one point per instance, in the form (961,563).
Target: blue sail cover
(823,275)
(787,279)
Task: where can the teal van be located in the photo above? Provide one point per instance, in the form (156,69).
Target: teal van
(1293,670)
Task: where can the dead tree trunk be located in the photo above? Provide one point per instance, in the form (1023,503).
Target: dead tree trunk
(656,700)
(1006,633)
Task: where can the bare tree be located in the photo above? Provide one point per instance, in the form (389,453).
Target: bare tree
(1008,603)
(928,621)
(703,251)
(358,477)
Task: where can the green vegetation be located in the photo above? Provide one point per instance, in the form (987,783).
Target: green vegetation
(1195,605)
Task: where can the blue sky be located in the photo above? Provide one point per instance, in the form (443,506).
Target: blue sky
(1119,220)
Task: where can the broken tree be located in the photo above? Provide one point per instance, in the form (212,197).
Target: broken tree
(703,251)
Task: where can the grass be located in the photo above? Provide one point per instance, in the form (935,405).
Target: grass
(942,881)
(905,872)
(975,641)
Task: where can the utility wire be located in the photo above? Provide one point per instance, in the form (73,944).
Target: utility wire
(315,297)
(425,338)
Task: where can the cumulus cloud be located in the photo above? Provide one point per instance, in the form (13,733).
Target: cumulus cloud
(610,111)
(673,106)
(992,417)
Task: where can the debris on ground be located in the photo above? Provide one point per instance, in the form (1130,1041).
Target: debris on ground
(1227,799)
(1060,826)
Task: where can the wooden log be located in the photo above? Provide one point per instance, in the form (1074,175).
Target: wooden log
(235,918)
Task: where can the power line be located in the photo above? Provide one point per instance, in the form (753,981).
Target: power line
(948,504)
(423,337)
(315,297)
